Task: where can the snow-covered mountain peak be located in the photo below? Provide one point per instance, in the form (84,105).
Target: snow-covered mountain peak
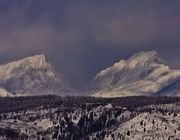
(140,59)
(36,61)
(144,58)
(33,62)
(32,75)
(144,73)
(145,54)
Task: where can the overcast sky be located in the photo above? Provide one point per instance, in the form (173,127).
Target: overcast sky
(81,37)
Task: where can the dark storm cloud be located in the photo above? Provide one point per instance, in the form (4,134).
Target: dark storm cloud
(81,37)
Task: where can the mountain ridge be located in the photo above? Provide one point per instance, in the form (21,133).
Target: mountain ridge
(144,73)
(32,75)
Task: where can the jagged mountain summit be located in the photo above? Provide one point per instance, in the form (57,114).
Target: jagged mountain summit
(31,76)
(144,73)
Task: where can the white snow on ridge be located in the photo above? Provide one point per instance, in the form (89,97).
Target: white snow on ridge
(32,75)
(142,74)
(151,126)
(37,61)
(138,59)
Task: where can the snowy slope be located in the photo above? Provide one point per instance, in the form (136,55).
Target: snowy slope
(142,74)
(4,93)
(32,75)
(148,126)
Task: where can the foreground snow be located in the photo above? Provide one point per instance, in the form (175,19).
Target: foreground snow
(148,126)
(93,121)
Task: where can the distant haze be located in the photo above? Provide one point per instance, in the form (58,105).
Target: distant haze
(82,37)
